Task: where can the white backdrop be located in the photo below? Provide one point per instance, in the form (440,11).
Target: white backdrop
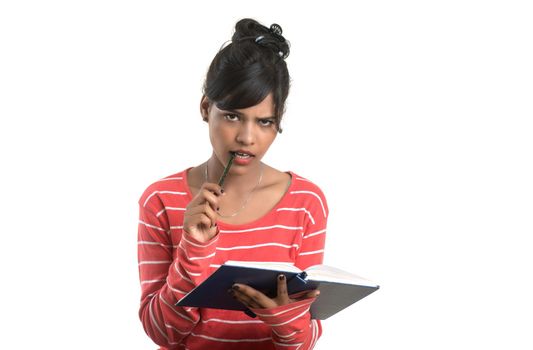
(414,117)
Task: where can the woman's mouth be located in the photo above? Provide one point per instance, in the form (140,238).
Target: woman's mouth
(242,157)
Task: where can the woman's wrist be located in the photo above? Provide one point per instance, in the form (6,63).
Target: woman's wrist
(201,237)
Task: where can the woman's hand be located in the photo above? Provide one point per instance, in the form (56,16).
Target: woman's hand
(254,299)
(200,216)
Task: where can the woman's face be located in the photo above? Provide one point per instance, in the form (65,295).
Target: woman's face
(248,131)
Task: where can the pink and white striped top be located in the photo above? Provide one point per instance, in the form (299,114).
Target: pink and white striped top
(293,232)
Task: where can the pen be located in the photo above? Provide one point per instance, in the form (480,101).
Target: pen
(226,169)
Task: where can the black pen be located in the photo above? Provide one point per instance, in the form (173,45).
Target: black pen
(226,169)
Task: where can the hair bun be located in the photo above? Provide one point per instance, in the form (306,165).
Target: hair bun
(248,28)
(272,38)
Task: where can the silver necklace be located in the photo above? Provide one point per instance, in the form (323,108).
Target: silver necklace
(247,198)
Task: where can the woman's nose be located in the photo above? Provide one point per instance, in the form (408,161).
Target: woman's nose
(246,134)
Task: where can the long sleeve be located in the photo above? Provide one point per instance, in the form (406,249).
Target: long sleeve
(291,325)
(165,279)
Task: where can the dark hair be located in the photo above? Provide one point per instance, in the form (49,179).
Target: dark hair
(253,65)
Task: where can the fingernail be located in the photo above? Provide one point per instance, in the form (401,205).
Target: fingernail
(235,287)
(281,277)
(221,190)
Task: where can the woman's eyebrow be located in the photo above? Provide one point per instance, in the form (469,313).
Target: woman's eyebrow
(232,111)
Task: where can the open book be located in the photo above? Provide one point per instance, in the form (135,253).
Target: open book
(338,289)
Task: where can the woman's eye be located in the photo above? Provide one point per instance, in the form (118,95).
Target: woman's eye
(231,117)
(266,122)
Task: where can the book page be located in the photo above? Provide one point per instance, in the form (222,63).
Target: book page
(266,265)
(333,274)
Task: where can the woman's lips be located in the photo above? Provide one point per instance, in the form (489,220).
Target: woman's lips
(242,158)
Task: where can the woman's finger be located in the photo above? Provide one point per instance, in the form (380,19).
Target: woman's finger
(212,187)
(210,198)
(206,221)
(210,213)
(195,214)
(305,295)
(245,300)
(282,296)
(253,296)
(199,223)
(208,192)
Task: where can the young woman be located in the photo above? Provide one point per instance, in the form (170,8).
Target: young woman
(189,225)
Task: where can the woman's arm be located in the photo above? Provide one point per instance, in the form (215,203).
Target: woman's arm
(165,280)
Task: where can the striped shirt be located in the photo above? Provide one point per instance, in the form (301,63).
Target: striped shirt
(171,264)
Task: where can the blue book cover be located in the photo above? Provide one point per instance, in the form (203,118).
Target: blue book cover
(338,289)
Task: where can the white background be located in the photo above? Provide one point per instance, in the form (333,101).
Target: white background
(414,117)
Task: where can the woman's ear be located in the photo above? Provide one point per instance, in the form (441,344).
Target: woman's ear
(204,108)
